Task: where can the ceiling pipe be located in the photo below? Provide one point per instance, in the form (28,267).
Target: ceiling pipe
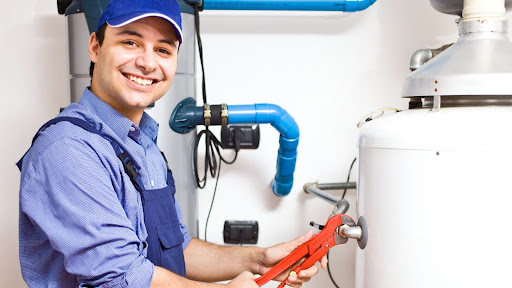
(287,5)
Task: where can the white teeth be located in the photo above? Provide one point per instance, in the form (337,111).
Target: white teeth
(140,81)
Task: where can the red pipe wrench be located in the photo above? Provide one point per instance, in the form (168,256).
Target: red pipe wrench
(312,251)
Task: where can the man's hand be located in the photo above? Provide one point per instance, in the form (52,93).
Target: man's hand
(245,280)
(274,254)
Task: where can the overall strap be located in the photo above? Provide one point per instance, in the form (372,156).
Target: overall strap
(78,122)
(129,168)
(166,162)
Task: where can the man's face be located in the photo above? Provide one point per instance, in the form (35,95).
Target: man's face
(135,65)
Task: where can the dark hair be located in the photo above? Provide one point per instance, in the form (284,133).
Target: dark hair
(100,36)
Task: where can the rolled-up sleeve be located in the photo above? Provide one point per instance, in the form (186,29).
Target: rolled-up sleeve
(183,228)
(70,194)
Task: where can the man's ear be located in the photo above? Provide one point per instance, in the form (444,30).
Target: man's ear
(94,47)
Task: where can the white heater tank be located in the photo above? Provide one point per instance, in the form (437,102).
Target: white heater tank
(435,190)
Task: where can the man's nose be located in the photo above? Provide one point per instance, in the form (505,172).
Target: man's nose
(146,60)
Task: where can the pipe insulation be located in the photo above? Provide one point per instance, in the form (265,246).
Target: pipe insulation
(289,5)
(186,116)
(479,10)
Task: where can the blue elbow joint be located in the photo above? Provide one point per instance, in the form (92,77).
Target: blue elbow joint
(288,143)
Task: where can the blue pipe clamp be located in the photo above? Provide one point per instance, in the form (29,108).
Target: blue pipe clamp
(289,5)
(186,116)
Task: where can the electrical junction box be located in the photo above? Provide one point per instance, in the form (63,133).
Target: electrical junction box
(240,232)
(245,136)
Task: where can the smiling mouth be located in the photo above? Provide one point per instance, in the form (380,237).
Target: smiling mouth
(140,81)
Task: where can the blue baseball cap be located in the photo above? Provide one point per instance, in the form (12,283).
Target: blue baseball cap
(118,13)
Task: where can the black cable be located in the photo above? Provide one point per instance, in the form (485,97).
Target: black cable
(210,160)
(348,177)
(329,271)
(212,144)
(211,206)
(343,197)
(200,47)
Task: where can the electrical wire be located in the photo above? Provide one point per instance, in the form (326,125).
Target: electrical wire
(342,197)
(348,177)
(212,144)
(200,47)
(211,206)
(329,271)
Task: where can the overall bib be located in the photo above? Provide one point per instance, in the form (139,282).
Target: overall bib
(165,238)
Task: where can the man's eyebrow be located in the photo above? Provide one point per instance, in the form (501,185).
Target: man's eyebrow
(129,32)
(166,41)
(133,33)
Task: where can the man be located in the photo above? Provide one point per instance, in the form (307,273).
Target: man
(97,202)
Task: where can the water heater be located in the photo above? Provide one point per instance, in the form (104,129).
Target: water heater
(433,186)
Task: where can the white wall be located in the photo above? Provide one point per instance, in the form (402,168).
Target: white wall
(34,87)
(326,69)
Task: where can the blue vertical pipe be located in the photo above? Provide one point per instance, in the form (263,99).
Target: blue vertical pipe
(288,138)
(289,5)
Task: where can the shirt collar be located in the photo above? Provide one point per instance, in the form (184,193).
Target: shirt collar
(115,120)
(149,126)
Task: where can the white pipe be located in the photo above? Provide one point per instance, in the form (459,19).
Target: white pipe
(480,10)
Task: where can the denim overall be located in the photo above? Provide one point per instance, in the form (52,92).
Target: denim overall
(160,217)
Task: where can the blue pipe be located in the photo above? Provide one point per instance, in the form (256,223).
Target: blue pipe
(288,139)
(186,116)
(289,5)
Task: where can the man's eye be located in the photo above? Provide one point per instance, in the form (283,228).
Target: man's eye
(164,51)
(129,43)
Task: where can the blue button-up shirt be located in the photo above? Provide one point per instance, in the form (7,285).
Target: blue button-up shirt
(81,219)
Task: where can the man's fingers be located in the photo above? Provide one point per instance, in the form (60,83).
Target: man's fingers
(292,278)
(308,273)
(296,280)
(323,262)
(302,239)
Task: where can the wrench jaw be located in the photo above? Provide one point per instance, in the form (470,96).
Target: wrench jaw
(349,229)
(338,239)
(347,220)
